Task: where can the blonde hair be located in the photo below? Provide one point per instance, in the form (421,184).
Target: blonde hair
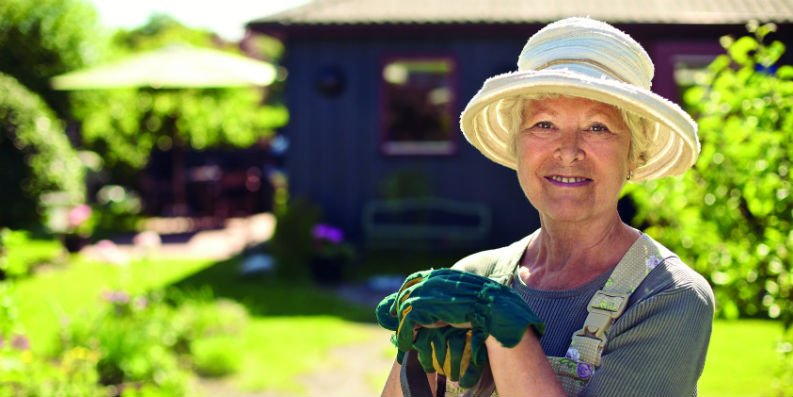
(512,110)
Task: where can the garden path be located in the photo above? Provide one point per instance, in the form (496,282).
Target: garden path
(179,239)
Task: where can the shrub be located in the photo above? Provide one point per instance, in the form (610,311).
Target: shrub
(730,217)
(292,242)
(35,156)
(134,337)
(22,253)
(217,356)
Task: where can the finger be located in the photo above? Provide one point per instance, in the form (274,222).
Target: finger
(423,346)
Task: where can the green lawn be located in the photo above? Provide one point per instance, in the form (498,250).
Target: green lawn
(742,359)
(282,339)
(65,293)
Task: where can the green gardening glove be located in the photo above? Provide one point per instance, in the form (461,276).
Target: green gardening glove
(445,296)
(455,353)
(386,309)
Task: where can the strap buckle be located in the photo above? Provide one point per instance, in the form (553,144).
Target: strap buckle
(604,308)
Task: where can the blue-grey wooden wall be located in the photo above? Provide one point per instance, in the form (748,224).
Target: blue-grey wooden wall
(334,156)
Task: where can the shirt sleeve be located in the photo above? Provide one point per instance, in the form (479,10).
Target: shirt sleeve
(658,346)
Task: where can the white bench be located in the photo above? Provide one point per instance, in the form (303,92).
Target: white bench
(434,222)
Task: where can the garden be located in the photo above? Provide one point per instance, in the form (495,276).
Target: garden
(135,322)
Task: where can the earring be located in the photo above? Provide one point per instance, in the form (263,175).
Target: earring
(630,175)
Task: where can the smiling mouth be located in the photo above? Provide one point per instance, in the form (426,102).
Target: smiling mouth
(567,180)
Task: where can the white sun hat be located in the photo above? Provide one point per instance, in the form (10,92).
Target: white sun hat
(583,57)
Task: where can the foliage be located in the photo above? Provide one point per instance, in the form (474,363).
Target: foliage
(329,243)
(22,253)
(783,383)
(25,372)
(406,183)
(116,209)
(35,156)
(731,216)
(217,356)
(133,336)
(292,242)
(42,39)
(125,125)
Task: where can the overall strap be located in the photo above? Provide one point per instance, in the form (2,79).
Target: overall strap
(504,268)
(610,302)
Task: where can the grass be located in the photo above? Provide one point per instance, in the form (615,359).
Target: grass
(295,324)
(742,359)
(49,297)
(284,348)
(281,340)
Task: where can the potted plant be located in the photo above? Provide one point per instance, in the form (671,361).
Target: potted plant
(79,225)
(330,254)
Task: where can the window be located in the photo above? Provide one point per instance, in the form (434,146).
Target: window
(691,70)
(417,106)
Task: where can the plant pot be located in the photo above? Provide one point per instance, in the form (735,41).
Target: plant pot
(327,271)
(74,243)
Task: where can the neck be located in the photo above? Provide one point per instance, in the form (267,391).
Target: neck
(565,256)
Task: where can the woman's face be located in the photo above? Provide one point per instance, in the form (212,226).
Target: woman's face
(572,158)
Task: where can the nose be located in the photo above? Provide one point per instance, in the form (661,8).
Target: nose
(569,148)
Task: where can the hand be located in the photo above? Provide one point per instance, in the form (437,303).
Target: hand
(455,353)
(445,296)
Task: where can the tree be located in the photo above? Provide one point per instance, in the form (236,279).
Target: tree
(35,157)
(44,38)
(730,217)
(124,126)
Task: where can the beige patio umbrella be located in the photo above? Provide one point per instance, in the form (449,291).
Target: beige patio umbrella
(172,67)
(176,66)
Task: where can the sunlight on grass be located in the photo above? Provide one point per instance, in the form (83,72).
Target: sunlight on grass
(280,349)
(741,360)
(44,300)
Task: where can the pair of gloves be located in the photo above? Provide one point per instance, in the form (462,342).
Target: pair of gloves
(446,315)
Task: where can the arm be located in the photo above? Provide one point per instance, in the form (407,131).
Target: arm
(393,387)
(522,370)
(658,346)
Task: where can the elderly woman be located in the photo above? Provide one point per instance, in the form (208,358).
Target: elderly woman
(623,316)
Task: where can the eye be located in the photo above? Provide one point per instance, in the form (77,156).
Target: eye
(545,125)
(599,128)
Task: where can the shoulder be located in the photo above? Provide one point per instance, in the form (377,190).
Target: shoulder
(673,285)
(500,260)
(481,263)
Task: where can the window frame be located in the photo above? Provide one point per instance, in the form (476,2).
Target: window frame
(418,148)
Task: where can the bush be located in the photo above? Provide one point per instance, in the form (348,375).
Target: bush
(292,241)
(730,217)
(35,156)
(217,356)
(23,253)
(24,373)
(134,337)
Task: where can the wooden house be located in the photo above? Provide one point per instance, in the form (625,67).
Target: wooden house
(375,89)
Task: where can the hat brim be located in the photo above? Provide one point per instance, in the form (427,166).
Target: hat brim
(673,147)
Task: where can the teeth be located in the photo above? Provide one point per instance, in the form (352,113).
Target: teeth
(567,180)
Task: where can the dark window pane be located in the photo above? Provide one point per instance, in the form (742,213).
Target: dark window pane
(418,106)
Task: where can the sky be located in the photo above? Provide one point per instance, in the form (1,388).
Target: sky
(227,18)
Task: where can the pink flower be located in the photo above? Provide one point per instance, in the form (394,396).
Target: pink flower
(116,297)
(20,342)
(78,215)
(147,240)
(109,252)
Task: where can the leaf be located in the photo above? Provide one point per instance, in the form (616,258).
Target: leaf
(741,50)
(785,72)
